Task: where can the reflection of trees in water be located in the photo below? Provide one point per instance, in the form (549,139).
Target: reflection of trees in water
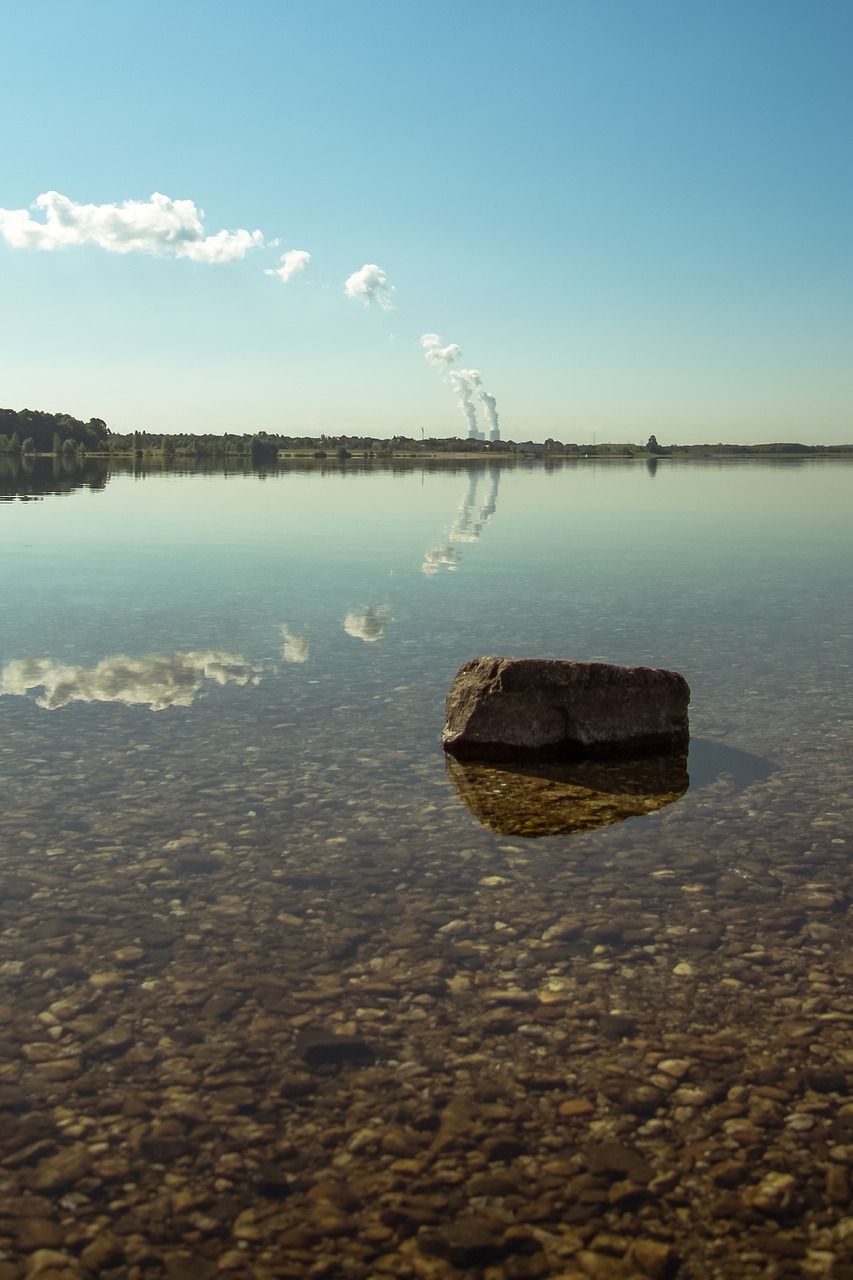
(25,477)
(475,511)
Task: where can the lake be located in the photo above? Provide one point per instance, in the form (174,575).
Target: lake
(278,987)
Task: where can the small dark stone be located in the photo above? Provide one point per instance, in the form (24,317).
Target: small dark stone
(156,933)
(614,1158)
(319,1047)
(617,1026)
(503,1147)
(12,1098)
(640,1099)
(826,1081)
(272,1182)
(468,1242)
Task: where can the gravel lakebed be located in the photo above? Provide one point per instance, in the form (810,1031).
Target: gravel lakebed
(285,1025)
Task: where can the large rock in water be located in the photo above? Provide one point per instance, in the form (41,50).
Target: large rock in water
(502,708)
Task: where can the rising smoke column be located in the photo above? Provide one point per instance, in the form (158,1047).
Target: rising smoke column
(467,383)
(463,384)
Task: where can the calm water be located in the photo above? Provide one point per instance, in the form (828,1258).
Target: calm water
(226,822)
(269,655)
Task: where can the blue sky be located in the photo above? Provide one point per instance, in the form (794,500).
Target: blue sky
(632,216)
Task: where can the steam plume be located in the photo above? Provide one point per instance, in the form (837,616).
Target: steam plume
(462,381)
(292,262)
(370,284)
(467,383)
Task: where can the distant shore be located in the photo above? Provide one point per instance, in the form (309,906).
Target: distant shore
(37,433)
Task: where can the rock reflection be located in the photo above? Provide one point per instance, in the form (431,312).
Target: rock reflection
(156,681)
(558,798)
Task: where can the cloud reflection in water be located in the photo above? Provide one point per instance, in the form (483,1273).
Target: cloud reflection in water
(369,623)
(294,648)
(156,681)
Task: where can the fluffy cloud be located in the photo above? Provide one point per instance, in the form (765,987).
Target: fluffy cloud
(370,284)
(155,681)
(292,262)
(368,624)
(158,225)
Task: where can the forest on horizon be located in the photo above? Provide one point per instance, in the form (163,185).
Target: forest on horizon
(36,431)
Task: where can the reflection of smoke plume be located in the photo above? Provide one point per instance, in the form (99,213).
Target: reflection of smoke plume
(468,525)
(294,648)
(465,382)
(465,528)
(368,624)
(155,681)
(436,557)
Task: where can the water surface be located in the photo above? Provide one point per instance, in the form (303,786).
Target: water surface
(226,818)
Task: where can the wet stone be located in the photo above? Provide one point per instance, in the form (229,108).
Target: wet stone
(319,1047)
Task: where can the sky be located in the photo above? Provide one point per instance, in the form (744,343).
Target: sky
(607,218)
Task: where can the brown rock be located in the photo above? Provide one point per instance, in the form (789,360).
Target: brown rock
(654,1258)
(468,1242)
(61,1170)
(614,1158)
(499,708)
(320,1047)
(38,1233)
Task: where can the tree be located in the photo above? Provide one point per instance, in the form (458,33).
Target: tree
(29,445)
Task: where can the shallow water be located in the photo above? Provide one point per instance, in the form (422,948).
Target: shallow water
(221,705)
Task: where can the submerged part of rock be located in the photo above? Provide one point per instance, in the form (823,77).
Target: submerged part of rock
(553,798)
(506,708)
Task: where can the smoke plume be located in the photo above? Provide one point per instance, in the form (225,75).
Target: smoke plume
(467,383)
(370,284)
(292,262)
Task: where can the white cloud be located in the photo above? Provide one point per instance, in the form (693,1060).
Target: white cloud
(368,624)
(158,226)
(156,681)
(370,284)
(294,261)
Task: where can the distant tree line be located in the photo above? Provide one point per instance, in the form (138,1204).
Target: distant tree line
(24,431)
(31,431)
